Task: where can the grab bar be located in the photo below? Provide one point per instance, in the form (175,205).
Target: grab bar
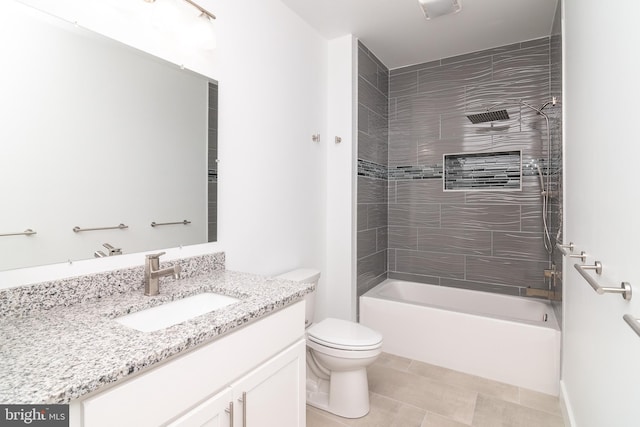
(27,232)
(77,229)
(624,289)
(633,322)
(561,247)
(155,224)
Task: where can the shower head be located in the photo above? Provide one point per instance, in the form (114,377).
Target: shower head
(488,116)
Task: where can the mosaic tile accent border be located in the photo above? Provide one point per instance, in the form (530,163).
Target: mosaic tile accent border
(371,169)
(410,172)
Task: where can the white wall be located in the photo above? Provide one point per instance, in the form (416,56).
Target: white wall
(338,297)
(272,99)
(601,354)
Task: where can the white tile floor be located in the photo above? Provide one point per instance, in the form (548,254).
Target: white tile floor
(406,393)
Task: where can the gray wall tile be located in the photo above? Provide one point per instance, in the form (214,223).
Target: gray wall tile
(506,271)
(486,240)
(370,268)
(373,129)
(419,278)
(377,215)
(520,245)
(430,264)
(382,238)
(367,68)
(453,75)
(425,191)
(366,243)
(407,215)
(403,238)
(371,190)
(481,217)
(371,97)
(466,242)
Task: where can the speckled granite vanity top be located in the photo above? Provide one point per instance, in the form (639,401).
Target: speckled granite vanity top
(61,351)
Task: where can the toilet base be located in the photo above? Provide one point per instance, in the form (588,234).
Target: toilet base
(345,394)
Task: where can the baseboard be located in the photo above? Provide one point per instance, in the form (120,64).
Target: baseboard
(565,406)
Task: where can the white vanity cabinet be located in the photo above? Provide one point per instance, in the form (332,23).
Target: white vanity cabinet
(269,396)
(217,411)
(260,368)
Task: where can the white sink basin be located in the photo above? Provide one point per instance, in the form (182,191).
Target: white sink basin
(174,312)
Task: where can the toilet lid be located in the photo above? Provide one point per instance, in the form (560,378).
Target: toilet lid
(344,334)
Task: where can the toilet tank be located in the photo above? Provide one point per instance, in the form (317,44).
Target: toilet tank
(305,275)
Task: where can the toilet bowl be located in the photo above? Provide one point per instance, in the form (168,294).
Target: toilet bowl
(338,353)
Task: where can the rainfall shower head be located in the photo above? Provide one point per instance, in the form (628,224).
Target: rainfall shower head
(488,116)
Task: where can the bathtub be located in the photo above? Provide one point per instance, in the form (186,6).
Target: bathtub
(510,339)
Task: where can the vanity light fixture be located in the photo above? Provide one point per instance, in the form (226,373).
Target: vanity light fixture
(203,11)
(435,8)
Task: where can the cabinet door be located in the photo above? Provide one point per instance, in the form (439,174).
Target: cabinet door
(213,412)
(273,395)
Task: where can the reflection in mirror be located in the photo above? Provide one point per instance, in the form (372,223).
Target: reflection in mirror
(97,134)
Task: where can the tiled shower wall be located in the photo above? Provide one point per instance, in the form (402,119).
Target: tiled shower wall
(373,93)
(486,240)
(556,196)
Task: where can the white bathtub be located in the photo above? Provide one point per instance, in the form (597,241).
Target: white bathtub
(505,338)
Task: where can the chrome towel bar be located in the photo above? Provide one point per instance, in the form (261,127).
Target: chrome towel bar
(77,229)
(562,248)
(27,232)
(155,224)
(633,323)
(624,289)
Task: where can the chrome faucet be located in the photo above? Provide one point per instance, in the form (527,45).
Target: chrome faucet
(152,273)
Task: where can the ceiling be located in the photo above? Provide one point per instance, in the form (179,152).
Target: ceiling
(398,33)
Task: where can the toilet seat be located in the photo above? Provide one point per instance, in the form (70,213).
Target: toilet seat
(344,335)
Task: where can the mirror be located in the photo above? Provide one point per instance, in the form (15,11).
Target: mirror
(96,134)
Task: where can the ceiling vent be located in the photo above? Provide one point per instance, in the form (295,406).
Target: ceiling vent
(434,8)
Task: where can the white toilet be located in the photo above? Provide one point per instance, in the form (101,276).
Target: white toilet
(338,353)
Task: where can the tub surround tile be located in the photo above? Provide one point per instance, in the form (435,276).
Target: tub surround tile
(419,278)
(418,215)
(59,352)
(481,217)
(466,242)
(366,243)
(496,234)
(502,271)
(430,263)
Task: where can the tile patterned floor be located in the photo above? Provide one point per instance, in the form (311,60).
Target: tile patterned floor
(407,393)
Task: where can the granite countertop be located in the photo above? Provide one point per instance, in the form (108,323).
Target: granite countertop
(59,354)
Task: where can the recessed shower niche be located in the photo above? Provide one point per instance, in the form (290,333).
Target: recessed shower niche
(482,171)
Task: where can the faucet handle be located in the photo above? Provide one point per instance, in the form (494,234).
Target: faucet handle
(155,256)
